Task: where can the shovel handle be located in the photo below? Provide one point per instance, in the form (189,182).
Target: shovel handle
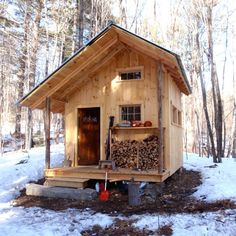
(106,181)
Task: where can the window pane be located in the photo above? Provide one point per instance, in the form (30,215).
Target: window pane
(124,117)
(123,110)
(137,109)
(179,118)
(123,76)
(174,115)
(137,75)
(131,75)
(130,113)
(137,117)
(130,117)
(130,109)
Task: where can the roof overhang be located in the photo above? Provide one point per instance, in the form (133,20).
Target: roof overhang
(77,69)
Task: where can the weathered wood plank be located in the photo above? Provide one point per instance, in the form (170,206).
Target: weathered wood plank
(95,173)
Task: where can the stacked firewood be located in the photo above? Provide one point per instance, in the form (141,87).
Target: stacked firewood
(135,154)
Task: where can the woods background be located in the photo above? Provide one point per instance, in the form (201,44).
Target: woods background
(37,36)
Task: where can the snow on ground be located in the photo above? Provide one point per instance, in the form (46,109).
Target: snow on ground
(210,224)
(218,183)
(18,168)
(40,222)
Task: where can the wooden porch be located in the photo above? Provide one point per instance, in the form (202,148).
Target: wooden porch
(93,172)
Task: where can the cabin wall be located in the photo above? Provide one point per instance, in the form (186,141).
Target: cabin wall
(105,90)
(176,128)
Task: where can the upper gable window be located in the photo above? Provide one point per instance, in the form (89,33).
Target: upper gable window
(130,75)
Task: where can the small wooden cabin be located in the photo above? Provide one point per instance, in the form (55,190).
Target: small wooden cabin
(122,75)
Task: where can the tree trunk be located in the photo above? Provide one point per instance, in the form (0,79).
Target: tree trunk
(217,102)
(81,24)
(234,132)
(21,72)
(32,70)
(47,39)
(1,104)
(204,98)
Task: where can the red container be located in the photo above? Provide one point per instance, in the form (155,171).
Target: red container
(104,196)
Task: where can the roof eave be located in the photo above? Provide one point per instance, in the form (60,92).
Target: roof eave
(66,61)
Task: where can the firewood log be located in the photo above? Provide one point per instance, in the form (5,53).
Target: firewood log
(134,154)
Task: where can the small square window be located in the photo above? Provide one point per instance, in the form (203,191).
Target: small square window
(130,113)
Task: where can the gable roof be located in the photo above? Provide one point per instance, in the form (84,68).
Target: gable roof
(99,50)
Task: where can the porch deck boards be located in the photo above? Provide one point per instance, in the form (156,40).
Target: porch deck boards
(93,172)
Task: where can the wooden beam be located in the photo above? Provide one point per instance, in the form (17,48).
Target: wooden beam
(113,175)
(73,73)
(47,132)
(160,114)
(61,101)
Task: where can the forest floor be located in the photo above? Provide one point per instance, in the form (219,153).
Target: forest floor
(200,200)
(175,198)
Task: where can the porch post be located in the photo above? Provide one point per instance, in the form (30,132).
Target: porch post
(160,114)
(47,132)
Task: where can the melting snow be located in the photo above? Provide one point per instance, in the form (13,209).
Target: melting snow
(218,183)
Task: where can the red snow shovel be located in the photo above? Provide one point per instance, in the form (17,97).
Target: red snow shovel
(104,195)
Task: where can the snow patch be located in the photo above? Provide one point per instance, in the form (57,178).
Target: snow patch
(219,181)
(18,168)
(38,221)
(211,224)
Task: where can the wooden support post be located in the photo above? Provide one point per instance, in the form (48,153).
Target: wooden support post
(47,132)
(160,114)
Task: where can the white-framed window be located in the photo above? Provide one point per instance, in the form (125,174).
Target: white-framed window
(130,75)
(130,112)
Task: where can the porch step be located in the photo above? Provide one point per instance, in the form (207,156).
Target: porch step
(66,182)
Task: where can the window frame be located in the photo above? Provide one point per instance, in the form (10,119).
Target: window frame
(176,116)
(128,70)
(128,113)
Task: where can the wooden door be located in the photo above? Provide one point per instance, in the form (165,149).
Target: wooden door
(89,136)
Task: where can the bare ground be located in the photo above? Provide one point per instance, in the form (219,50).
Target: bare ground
(175,198)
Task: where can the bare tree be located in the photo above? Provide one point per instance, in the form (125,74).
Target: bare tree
(32,57)
(22,65)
